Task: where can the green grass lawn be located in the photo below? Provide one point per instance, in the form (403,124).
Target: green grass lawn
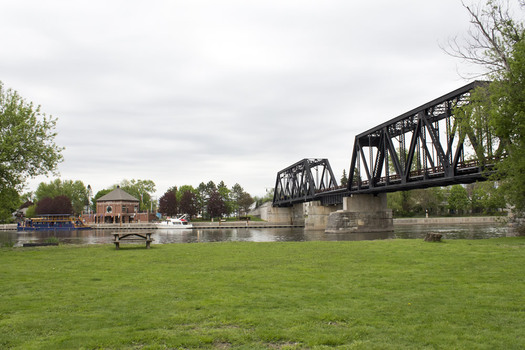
(392,294)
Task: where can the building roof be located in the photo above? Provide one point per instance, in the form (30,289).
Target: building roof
(117,195)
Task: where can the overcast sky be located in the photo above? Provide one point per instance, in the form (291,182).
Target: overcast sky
(183,92)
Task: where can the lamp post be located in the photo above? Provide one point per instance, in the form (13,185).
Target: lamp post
(90,194)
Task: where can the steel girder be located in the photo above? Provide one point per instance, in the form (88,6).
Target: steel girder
(424,147)
(303,181)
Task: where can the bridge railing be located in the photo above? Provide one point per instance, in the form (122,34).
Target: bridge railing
(467,172)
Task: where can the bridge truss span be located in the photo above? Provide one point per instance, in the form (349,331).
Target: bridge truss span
(425,147)
(303,181)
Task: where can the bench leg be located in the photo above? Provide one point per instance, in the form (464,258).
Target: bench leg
(117,245)
(147,244)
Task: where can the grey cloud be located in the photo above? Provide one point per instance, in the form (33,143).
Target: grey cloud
(184,92)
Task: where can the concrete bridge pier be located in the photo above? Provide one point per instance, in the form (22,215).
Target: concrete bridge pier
(311,215)
(362,213)
(316,215)
(293,215)
(276,215)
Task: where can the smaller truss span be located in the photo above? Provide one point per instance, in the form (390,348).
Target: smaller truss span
(303,181)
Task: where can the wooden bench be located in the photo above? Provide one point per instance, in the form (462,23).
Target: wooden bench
(132,237)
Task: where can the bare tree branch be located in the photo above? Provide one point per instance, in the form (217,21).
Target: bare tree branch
(490,41)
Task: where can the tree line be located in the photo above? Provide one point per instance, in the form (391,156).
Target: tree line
(480,198)
(207,200)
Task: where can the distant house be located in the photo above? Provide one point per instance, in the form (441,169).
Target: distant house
(20,213)
(118,206)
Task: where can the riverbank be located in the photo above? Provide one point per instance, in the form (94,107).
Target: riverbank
(391,294)
(452,220)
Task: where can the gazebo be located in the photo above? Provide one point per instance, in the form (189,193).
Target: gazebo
(117,206)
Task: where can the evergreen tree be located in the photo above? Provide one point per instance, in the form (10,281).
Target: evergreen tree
(216,206)
(344,179)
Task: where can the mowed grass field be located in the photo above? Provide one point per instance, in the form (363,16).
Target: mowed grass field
(391,294)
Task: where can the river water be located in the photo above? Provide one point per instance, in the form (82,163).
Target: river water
(14,238)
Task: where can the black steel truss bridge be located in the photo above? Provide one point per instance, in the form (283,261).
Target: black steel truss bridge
(425,147)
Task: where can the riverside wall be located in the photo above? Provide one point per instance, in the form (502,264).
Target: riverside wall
(467,220)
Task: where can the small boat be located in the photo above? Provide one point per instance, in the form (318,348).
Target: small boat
(52,222)
(175,223)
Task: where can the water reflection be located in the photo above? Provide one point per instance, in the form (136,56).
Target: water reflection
(259,235)
(255,235)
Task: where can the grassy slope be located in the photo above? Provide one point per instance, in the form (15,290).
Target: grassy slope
(365,295)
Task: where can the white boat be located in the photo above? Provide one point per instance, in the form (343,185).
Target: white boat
(175,223)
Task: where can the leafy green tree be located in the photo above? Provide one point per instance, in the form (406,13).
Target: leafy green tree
(508,122)
(428,200)
(401,203)
(140,189)
(31,211)
(485,197)
(74,190)
(495,117)
(458,200)
(185,188)
(241,200)
(27,141)
(9,202)
(245,202)
(418,202)
(99,194)
(27,147)
(268,197)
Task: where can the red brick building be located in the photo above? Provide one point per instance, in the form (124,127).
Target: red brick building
(118,206)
